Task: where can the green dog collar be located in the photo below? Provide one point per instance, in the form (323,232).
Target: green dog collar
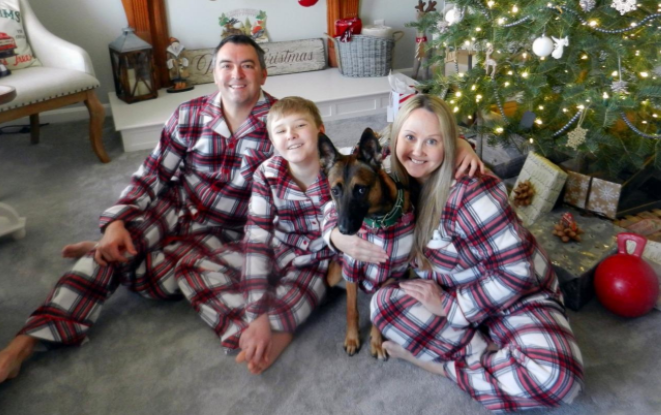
(389,218)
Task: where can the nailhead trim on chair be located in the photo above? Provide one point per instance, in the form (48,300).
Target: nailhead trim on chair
(48,98)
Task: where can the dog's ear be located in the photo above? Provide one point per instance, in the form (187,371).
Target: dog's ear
(369,149)
(328,154)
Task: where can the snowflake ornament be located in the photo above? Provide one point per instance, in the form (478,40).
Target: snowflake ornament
(587,5)
(576,137)
(619,87)
(624,6)
(442,26)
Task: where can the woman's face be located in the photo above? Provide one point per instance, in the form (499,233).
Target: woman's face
(420,144)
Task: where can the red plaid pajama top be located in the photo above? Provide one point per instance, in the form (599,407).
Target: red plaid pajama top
(283,233)
(396,241)
(500,288)
(200,166)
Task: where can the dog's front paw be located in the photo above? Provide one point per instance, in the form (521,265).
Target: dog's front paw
(377,351)
(376,345)
(351,345)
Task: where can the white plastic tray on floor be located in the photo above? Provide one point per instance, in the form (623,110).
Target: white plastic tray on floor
(11,223)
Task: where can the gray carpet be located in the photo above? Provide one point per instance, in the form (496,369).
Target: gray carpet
(148,357)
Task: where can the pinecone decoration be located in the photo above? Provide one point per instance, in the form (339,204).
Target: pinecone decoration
(567,229)
(587,5)
(524,193)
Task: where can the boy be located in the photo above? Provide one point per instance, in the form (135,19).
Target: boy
(255,295)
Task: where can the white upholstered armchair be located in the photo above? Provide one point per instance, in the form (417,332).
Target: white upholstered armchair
(66,77)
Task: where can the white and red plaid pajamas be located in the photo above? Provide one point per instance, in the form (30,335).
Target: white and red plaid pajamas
(396,240)
(279,269)
(499,288)
(189,196)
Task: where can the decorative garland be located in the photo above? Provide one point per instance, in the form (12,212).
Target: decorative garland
(627,29)
(498,102)
(585,22)
(569,123)
(518,22)
(636,130)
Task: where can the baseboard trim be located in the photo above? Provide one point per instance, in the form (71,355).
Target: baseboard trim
(61,115)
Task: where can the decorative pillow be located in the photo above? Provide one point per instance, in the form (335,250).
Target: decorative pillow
(15,52)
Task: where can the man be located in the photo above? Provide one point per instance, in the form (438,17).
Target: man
(189,196)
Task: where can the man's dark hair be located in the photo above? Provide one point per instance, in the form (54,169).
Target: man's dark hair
(243,40)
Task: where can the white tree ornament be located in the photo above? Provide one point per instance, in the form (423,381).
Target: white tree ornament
(620,87)
(559,46)
(453,16)
(576,137)
(442,26)
(542,46)
(624,6)
(587,5)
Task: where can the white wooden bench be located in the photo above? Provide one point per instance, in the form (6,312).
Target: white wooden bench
(337,97)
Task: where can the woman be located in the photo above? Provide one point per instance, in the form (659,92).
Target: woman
(486,310)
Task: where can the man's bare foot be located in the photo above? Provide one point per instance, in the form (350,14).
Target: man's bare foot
(13,356)
(398,352)
(78,250)
(279,342)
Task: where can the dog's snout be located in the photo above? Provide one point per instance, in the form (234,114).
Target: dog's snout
(349,226)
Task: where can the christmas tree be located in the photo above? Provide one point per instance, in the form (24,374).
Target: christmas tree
(576,78)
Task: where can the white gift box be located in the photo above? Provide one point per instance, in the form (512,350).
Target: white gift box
(402,88)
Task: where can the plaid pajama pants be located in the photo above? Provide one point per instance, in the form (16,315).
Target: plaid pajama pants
(213,287)
(76,301)
(537,364)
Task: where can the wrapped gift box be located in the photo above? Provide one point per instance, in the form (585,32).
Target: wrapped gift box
(548,181)
(505,160)
(575,262)
(613,198)
(576,189)
(604,197)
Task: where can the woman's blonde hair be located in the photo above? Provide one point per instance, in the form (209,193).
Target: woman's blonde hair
(435,190)
(293,105)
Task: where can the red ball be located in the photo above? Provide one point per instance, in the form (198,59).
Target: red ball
(626,285)
(307,3)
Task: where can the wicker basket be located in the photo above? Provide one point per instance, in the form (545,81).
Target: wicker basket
(364,56)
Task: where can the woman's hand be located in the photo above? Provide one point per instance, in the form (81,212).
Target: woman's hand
(427,292)
(114,245)
(358,248)
(467,161)
(255,341)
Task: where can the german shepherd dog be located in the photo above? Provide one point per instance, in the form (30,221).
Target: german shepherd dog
(367,197)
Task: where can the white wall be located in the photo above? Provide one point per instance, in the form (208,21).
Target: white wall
(93,24)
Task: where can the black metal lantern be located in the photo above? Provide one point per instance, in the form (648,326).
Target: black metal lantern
(132,68)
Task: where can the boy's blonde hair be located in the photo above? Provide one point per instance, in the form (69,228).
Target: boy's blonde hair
(293,105)
(435,190)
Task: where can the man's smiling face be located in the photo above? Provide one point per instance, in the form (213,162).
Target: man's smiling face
(238,74)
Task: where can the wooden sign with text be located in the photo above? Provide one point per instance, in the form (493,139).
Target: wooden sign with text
(281,58)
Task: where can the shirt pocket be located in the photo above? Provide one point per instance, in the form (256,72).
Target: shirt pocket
(249,163)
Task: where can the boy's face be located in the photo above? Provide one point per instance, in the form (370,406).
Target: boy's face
(295,137)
